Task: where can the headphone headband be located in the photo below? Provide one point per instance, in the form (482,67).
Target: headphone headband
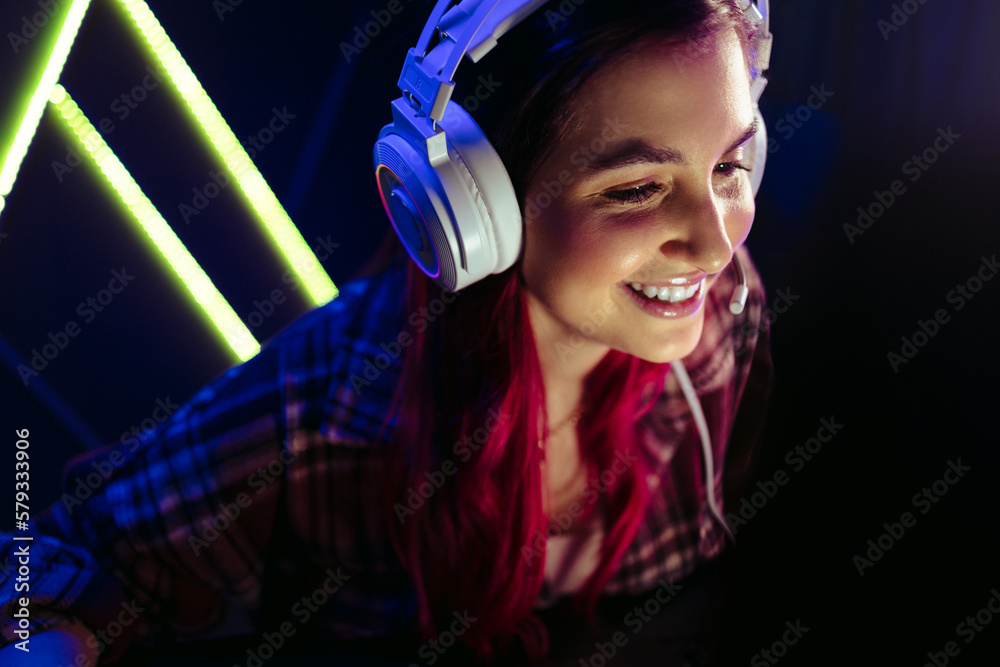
(471,28)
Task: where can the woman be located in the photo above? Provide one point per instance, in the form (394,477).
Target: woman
(407,459)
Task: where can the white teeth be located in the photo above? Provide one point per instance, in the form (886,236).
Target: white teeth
(670,294)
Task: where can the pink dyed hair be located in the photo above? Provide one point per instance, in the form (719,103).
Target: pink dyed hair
(463,548)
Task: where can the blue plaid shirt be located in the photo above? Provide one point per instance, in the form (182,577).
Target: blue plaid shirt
(259,501)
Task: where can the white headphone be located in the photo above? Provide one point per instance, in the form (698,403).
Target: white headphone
(444,187)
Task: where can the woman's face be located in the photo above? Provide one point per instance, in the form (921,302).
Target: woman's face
(647,190)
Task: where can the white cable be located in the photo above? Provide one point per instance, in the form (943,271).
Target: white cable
(706,444)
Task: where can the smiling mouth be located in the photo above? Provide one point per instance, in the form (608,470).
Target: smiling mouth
(667,294)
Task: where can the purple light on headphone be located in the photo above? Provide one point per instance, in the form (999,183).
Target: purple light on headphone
(408,221)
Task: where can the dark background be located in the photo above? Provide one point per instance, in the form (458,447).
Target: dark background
(892,93)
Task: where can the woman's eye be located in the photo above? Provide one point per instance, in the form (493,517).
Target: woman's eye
(729,168)
(635,195)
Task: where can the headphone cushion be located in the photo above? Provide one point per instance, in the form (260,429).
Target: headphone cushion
(488,183)
(757,153)
(487,228)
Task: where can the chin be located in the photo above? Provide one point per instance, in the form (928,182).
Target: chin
(675,345)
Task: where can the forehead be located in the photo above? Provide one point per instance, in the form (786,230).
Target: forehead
(668,89)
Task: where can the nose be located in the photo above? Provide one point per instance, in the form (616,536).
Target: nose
(700,230)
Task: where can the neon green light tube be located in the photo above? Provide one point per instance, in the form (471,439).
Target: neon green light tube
(284,235)
(226,322)
(36,106)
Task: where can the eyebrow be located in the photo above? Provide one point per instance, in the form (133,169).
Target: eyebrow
(637,151)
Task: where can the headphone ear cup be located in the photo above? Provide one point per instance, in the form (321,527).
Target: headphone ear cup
(448,196)
(756,153)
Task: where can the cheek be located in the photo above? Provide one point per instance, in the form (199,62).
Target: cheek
(565,243)
(739,218)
